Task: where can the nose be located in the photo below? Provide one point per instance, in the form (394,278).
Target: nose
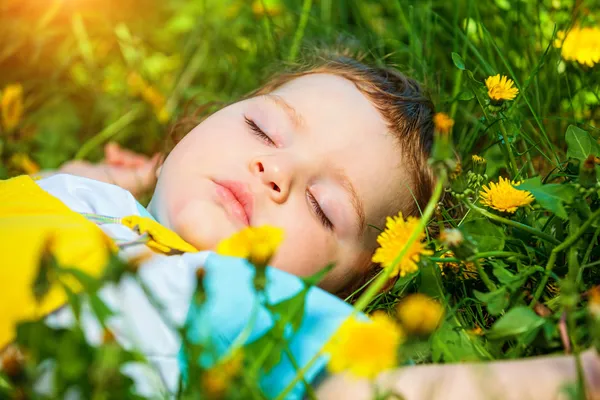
(276,173)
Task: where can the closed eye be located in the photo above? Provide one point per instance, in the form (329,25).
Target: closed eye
(259,132)
(319,211)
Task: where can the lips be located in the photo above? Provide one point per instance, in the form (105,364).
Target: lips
(237,200)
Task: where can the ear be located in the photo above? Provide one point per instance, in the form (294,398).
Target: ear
(158,169)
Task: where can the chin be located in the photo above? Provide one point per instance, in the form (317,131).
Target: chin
(201,227)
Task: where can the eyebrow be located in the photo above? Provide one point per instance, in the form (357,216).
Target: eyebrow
(355,199)
(294,116)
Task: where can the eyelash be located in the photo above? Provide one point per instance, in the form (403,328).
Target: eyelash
(259,132)
(319,212)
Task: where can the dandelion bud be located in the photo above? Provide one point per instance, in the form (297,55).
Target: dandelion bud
(594,302)
(419,314)
(108,336)
(479,164)
(455,241)
(443,123)
(587,173)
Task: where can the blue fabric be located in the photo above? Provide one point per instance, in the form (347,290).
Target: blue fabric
(228,309)
(143,212)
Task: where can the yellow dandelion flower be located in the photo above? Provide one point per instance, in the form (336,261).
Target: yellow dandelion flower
(420,314)
(217,379)
(272,8)
(257,244)
(443,123)
(463,270)
(11,105)
(478,159)
(365,348)
(476,331)
(393,239)
(503,196)
(501,88)
(581,45)
(24,163)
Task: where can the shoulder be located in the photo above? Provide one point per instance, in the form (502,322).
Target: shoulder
(90,196)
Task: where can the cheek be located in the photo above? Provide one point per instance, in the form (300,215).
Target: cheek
(305,250)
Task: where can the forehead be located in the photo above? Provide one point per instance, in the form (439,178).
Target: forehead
(352,135)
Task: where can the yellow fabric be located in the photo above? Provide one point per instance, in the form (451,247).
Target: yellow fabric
(160,239)
(29,217)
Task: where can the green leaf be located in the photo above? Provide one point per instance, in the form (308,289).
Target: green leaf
(580,144)
(465,96)
(268,348)
(495,301)
(516,321)
(487,236)
(458,61)
(100,309)
(315,278)
(450,344)
(290,311)
(552,196)
(507,278)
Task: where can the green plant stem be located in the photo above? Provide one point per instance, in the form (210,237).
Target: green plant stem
(562,246)
(512,223)
(108,132)
(306,7)
(486,254)
(186,77)
(379,283)
(484,276)
(511,156)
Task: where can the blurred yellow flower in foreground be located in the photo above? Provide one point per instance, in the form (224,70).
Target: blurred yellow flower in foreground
(33,225)
(443,123)
(139,87)
(11,105)
(420,314)
(393,239)
(503,196)
(581,45)
(24,163)
(271,8)
(257,244)
(365,348)
(160,238)
(500,88)
(217,379)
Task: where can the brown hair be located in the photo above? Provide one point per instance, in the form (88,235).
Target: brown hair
(401,101)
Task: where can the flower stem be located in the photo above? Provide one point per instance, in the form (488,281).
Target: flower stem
(512,223)
(379,283)
(484,276)
(511,156)
(496,254)
(108,132)
(562,246)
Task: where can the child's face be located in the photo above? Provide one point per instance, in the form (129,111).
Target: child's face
(324,146)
